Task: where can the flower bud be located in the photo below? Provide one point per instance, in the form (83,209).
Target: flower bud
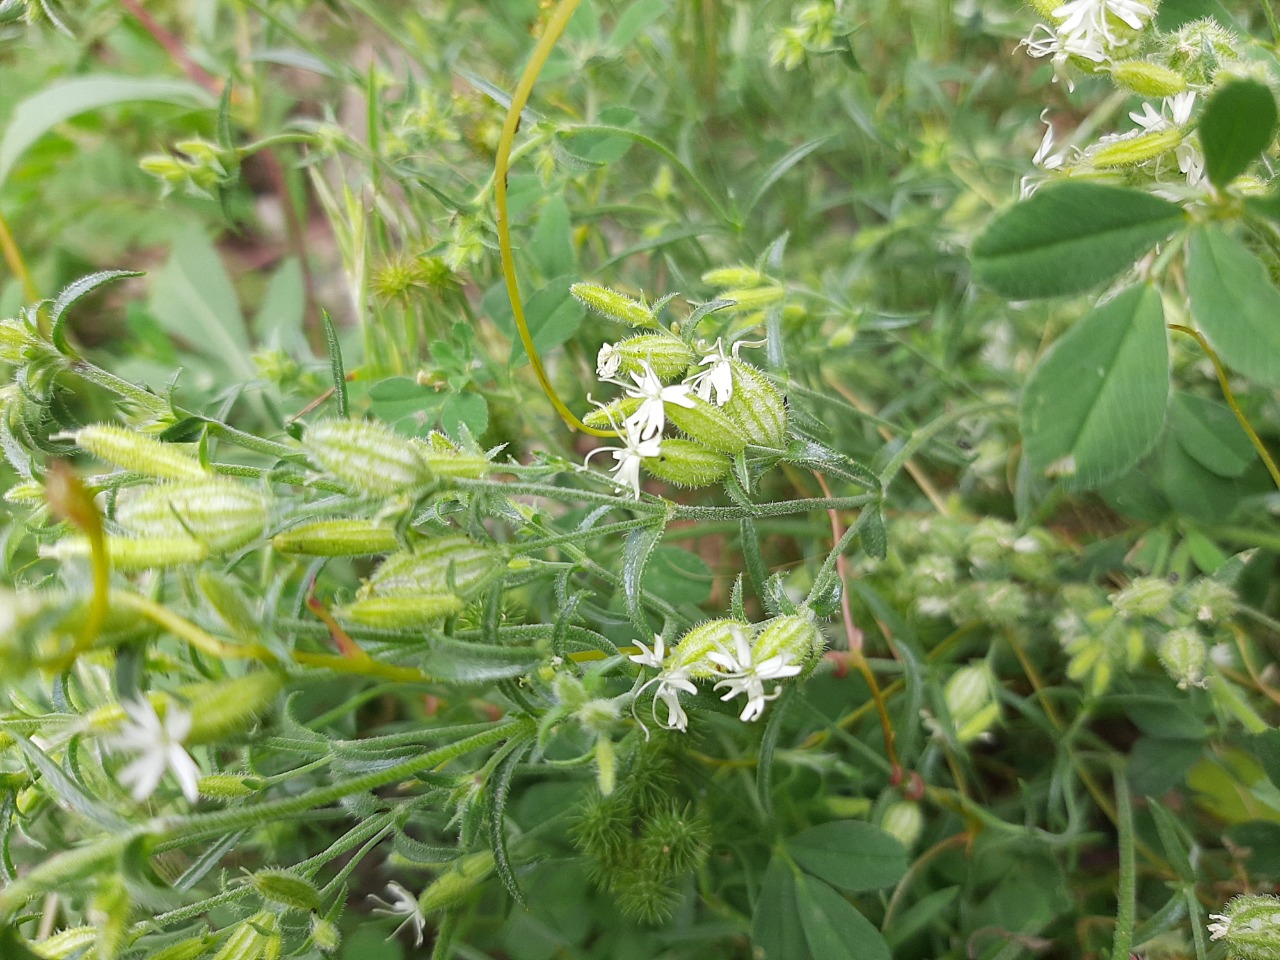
(368,456)
(229,786)
(1250,927)
(1210,600)
(611,415)
(221,708)
(446,564)
(67,943)
(687,464)
(756,406)
(1131,151)
(691,652)
(141,454)
(613,305)
(16,340)
(1183,654)
(667,356)
(286,889)
(970,701)
(746,299)
(794,635)
(403,611)
(337,538)
(222,515)
(728,277)
(904,820)
(1148,79)
(708,424)
(1144,597)
(131,555)
(325,934)
(606,765)
(249,938)
(189,949)
(445,459)
(452,886)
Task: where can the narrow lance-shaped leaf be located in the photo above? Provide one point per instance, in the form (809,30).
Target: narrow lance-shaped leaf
(1237,125)
(1235,304)
(1095,403)
(1069,238)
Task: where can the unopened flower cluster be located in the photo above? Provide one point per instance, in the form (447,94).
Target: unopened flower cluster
(668,377)
(1173,73)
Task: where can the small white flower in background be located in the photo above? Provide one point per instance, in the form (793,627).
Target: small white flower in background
(744,675)
(404,904)
(717,380)
(159,747)
(651,416)
(671,683)
(607,362)
(1219,930)
(1043,158)
(629,456)
(1043,41)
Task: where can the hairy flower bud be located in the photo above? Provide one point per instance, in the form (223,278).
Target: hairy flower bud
(452,886)
(1183,654)
(132,555)
(708,424)
(667,356)
(688,464)
(250,938)
(220,514)
(611,415)
(221,708)
(452,563)
(746,299)
(1148,79)
(402,611)
(130,450)
(325,934)
(67,943)
(794,635)
(969,695)
(1144,597)
(286,889)
(1250,927)
(445,459)
(756,406)
(613,305)
(1209,600)
(368,456)
(337,538)
(904,820)
(1131,151)
(230,786)
(728,277)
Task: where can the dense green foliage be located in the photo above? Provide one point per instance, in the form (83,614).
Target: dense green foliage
(916,598)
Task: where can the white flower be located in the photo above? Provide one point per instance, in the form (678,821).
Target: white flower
(747,676)
(1044,41)
(405,905)
(648,657)
(1149,119)
(1043,158)
(159,746)
(1190,162)
(629,456)
(651,416)
(1219,930)
(671,683)
(1180,105)
(607,361)
(717,380)
(1091,18)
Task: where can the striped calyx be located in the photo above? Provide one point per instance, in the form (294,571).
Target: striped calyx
(367,456)
(729,277)
(1132,151)
(611,415)
(756,406)
(794,636)
(1250,927)
(402,611)
(708,424)
(687,464)
(613,305)
(251,938)
(667,356)
(746,299)
(130,450)
(447,564)
(337,538)
(134,554)
(1148,79)
(219,514)
(222,708)
(691,652)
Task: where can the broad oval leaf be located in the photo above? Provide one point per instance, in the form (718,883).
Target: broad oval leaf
(1238,123)
(833,929)
(1095,403)
(850,854)
(776,930)
(1210,434)
(1068,238)
(1235,304)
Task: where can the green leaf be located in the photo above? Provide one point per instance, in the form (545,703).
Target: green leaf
(1265,747)
(833,929)
(851,854)
(64,99)
(776,927)
(636,552)
(1173,14)
(1068,238)
(1095,403)
(499,790)
(1209,432)
(780,168)
(1238,123)
(193,298)
(678,576)
(552,243)
(637,15)
(1195,492)
(71,294)
(470,409)
(335,364)
(1235,304)
(921,916)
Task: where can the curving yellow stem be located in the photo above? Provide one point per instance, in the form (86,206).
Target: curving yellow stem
(555,27)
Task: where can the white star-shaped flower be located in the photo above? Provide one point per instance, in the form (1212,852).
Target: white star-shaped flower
(744,675)
(404,905)
(651,416)
(607,362)
(1219,930)
(671,683)
(159,747)
(629,456)
(717,380)
(650,657)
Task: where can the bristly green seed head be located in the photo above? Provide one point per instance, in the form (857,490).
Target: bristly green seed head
(130,450)
(1148,79)
(707,424)
(367,456)
(1132,151)
(613,305)
(757,406)
(685,463)
(667,356)
(220,514)
(403,611)
(133,555)
(337,538)
(446,564)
